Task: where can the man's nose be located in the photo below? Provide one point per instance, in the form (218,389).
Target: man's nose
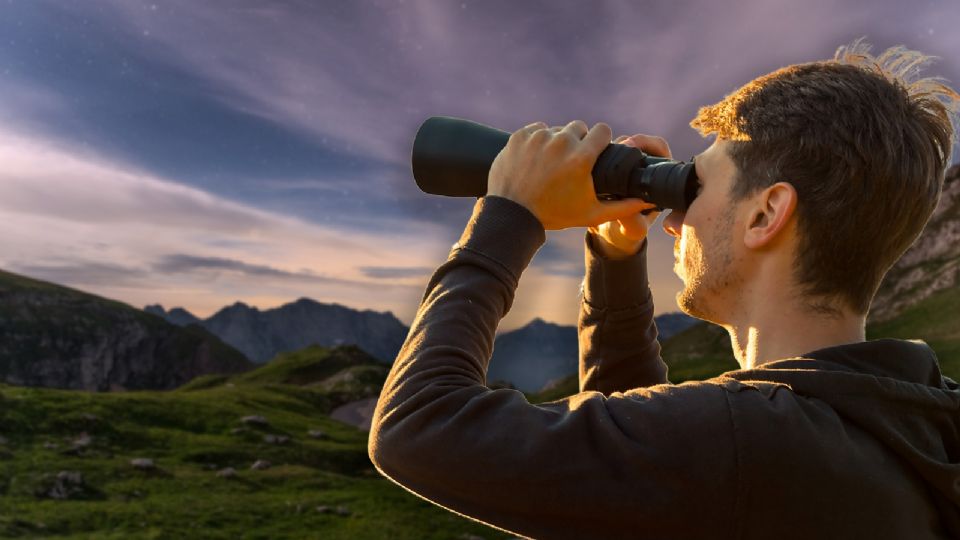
(673,223)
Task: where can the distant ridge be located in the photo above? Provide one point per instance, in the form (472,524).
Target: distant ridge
(526,358)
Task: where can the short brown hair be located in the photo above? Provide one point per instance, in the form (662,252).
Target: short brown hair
(865,149)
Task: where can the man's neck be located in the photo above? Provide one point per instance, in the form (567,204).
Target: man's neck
(767,333)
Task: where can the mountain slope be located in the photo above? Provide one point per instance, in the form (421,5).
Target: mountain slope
(931,264)
(54,336)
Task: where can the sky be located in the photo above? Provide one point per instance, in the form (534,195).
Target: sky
(197,154)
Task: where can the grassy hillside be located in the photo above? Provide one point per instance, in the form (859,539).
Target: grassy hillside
(191,434)
(935,320)
(703,351)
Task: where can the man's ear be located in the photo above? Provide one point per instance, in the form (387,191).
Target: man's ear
(770,214)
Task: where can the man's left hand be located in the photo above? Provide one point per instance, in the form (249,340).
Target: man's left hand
(548,171)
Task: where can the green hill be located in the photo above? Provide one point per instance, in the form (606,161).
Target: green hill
(703,350)
(319,484)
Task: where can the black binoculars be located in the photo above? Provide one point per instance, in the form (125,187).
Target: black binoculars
(452,157)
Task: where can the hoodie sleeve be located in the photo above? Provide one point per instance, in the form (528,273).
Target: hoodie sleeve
(618,336)
(655,462)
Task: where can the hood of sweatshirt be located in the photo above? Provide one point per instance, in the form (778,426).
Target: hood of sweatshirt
(894,389)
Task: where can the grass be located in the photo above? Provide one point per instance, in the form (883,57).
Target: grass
(189,434)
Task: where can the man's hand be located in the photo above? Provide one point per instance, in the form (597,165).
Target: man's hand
(548,171)
(622,237)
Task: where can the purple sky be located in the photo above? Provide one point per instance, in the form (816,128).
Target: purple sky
(199,153)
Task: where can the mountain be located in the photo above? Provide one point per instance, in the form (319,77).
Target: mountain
(931,264)
(261,335)
(526,358)
(531,356)
(540,353)
(177,316)
(58,337)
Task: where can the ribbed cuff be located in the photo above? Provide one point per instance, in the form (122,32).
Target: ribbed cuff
(615,284)
(505,231)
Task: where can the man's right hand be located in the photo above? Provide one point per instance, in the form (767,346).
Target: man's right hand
(622,238)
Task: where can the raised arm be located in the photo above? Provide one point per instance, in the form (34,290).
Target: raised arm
(618,336)
(652,463)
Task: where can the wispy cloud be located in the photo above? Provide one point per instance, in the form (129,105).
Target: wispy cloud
(390,272)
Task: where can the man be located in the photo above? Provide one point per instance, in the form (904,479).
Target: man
(820,176)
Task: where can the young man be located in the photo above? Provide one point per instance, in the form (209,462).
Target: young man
(820,176)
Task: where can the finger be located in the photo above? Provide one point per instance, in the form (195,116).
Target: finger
(621,138)
(651,144)
(534,126)
(611,210)
(578,128)
(597,138)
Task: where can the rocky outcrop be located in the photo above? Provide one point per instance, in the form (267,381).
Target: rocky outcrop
(931,264)
(177,316)
(58,337)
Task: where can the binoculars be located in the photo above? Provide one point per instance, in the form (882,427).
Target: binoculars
(452,157)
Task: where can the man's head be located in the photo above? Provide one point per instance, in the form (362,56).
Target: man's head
(846,156)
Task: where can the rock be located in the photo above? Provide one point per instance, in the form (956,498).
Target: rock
(66,485)
(79,446)
(51,445)
(324,509)
(316,434)
(343,510)
(143,464)
(255,420)
(83,441)
(239,431)
(275,439)
(228,472)
(260,465)
(3,440)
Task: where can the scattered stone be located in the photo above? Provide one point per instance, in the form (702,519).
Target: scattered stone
(324,509)
(51,445)
(255,420)
(143,464)
(66,485)
(83,441)
(239,431)
(317,434)
(260,465)
(343,510)
(228,472)
(276,439)
(79,446)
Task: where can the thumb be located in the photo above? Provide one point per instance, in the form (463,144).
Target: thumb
(611,210)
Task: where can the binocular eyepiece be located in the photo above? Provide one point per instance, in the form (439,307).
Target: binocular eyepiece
(452,157)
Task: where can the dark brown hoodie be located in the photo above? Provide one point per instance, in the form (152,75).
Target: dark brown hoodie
(853,441)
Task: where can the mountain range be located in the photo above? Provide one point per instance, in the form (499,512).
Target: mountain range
(526,358)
